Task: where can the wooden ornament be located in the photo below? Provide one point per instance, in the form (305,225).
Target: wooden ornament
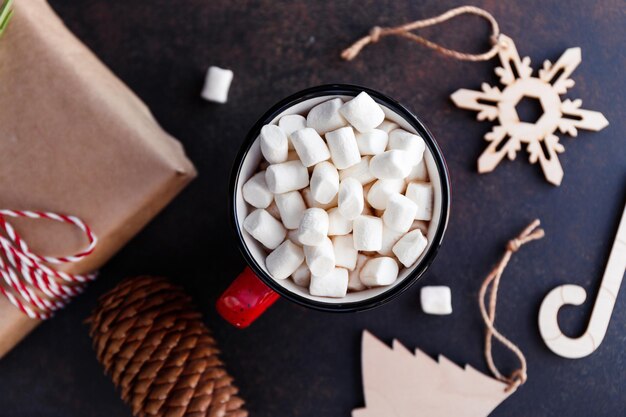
(506,138)
(399,383)
(586,344)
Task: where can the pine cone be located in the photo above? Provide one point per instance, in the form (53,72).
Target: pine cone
(160,354)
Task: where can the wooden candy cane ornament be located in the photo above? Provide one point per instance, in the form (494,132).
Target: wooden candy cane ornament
(576,295)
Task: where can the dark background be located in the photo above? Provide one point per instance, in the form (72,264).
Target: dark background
(298,362)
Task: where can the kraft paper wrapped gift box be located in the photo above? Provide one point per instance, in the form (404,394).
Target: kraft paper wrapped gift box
(74,140)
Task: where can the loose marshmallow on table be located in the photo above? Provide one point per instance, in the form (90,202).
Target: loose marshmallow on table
(284,260)
(324,182)
(379,271)
(390,165)
(422,194)
(326,117)
(291,208)
(265,228)
(345,254)
(321,258)
(333,284)
(362,112)
(367,232)
(217,84)
(390,238)
(399,214)
(360,172)
(354,282)
(255,191)
(379,193)
(411,143)
(290,123)
(311,202)
(410,247)
(351,200)
(337,224)
(313,227)
(418,173)
(436,299)
(274,144)
(387,126)
(302,276)
(310,146)
(344,150)
(286,176)
(372,142)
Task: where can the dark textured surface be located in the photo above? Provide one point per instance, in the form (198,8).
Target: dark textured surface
(296,362)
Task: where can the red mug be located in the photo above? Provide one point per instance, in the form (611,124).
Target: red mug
(255,290)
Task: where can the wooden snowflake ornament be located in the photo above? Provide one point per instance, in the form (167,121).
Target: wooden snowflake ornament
(506,138)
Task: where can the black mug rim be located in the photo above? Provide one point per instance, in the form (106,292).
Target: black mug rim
(413,120)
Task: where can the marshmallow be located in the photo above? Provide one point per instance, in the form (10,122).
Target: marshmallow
(410,247)
(284,260)
(373,142)
(291,208)
(324,182)
(354,282)
(337,224)
(436,299)
(274,144)
(255,191)
(345,254)
(286,176)
(293,236)
(411,143)
(310,201)
(344,150)
(379,271)
(378,195)
(310,146)
(350,198)
(362,112)
(320,258)
(360,172)
(313,227)
(422,194)
(264,228)
(418,173)
(333,284)
(390,238)
(217,84)
(326,117)
(389,165)
(290,123)
(387,126)
(302,276)
(367,232)
(399,214)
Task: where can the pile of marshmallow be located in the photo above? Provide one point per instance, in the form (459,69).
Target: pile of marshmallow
(341,200)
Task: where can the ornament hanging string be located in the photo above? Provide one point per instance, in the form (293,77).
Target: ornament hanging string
(491,283)
(405,31)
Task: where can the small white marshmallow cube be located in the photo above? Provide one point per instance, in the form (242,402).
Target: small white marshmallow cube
(217,84)
(333,284)
(372,142)
(286,176)
(400,213)
(291,208)
(392,164)
(351,200)
(337,224)
(387,126)
(274,144)
(360,172)
(410,247)
(345,253)
(324,182)
(367,233)
(326,117)
(284,260)
(379,193)
(290,123)
(255,191)
(411,143)
(321,258)
(302,276)
(354,282)
(265,228)
(379,271)
(422,194)
(344,150)
(390,238)
(436,299)
(362,112)
(313,227)
(310,146)
(418,173)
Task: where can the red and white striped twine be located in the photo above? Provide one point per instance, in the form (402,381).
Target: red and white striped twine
(32,286)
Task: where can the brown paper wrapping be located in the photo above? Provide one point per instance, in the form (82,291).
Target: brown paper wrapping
(75,140)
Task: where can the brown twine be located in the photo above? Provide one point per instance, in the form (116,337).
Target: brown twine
(405,31)
(518,377)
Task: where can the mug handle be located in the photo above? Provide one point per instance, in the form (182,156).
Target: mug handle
(245,299)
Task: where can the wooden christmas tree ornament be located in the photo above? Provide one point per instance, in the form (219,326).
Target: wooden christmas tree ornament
(160,354)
